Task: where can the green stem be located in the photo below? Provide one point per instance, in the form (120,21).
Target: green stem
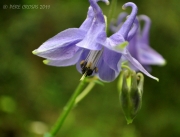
(111,13)
(84,92)
(67,109)
(120,81)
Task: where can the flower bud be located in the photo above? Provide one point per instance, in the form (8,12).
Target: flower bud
(131,94)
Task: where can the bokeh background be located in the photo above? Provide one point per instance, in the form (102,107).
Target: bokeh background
(32,95)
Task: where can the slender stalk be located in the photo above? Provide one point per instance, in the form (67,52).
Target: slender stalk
(84,92)
(67,109)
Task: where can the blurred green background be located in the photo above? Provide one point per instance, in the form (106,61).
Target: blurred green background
(32,95)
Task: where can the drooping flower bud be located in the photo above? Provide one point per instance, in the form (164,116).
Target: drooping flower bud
(131,91)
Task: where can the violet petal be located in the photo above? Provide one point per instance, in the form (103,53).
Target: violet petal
(65,62)
(111,58)
(136,64)
(105,73)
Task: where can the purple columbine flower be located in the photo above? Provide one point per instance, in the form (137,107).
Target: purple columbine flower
(61,50)
(139,46)
(90,49)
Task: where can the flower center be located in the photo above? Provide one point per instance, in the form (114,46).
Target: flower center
(89,65)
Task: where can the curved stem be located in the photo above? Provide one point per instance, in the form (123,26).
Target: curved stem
(67,109)
(84,92)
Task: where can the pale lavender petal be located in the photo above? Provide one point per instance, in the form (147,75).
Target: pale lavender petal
(97,30)
(121,17)
(146,67)
(133,30)
(132,47)
(148,56)
(87,23)
(111,58)
(94,35)
(62,39)
(66,62)
(136,64)
(146,28)
(60,53)
(113,42)
(120,37)
(105,73)
(98,12)
(61,46)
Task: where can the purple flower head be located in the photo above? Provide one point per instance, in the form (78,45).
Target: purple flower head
(106,52)
(139,45)
(89,48)
(61,50)
(140,48)
(114,48)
